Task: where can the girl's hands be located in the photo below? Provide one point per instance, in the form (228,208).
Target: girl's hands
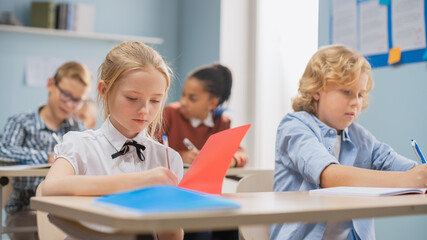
(189,156)
(159,175)
(155,176)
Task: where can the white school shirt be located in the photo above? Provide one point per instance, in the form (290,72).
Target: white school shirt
(89,153)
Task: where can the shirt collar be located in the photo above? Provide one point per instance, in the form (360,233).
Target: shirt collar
(116,138)
(66,124)
(325,129)
(345,135)
(195,122)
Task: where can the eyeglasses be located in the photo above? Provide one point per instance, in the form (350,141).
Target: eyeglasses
(66,97)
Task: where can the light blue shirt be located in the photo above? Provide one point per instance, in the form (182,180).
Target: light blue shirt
(305,146)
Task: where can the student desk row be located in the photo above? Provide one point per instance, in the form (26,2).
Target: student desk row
(7,173)
(256,208)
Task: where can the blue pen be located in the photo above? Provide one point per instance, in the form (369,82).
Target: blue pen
(417,151)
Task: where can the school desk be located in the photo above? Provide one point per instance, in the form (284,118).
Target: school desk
(256,208)
(239,172)
(246,171)
(5,174)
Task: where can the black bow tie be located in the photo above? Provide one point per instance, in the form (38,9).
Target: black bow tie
(125,149)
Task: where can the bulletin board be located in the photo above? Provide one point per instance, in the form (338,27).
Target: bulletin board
(386,32)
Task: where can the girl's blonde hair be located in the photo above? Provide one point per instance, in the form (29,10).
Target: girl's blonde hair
(126,57)
(334,64)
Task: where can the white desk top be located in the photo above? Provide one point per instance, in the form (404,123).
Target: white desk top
(257,208)
(41,172)
(246,171)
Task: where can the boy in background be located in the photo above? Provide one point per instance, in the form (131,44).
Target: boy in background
(29,138)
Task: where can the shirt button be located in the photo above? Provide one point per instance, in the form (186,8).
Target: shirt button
(329,148)
(331,131)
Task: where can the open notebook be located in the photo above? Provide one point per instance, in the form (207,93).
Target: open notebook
(165,199)
(368,191)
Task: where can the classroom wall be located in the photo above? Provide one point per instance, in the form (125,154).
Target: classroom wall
(199,36)
(397,113)
(189,28)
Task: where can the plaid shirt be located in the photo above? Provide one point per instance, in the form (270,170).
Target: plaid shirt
(27,140)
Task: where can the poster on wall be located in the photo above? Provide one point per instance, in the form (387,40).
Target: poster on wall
(385,32)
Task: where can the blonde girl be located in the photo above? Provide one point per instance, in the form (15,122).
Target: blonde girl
(121,155)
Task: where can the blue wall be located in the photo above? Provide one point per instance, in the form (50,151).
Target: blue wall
(199,36)
(397,114)
(189,28)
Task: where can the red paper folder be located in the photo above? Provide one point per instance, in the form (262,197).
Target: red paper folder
(207,172)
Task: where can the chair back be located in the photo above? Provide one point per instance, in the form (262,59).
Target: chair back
(260,182)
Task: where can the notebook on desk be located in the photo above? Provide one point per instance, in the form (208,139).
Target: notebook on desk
(368,191)
(165,199)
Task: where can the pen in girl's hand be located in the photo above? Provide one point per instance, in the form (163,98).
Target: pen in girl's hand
(165,142)
(189,144)
(417,151)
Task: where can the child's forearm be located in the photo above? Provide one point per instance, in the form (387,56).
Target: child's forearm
(339,175)
(61,182)
(82,185)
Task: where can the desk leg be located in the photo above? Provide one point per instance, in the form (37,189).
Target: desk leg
(3,182)
(1,211)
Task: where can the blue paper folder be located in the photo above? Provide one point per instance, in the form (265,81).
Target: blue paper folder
(165,199)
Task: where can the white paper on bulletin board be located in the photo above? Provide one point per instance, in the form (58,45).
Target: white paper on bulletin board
(408,24)
(381,26)
(373,28)
(39,69)
(344,25)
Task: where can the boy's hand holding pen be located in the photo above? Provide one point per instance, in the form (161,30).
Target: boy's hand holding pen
(417,151)
(418,174)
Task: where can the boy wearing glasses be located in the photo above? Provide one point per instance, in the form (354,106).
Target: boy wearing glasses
(29,138)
